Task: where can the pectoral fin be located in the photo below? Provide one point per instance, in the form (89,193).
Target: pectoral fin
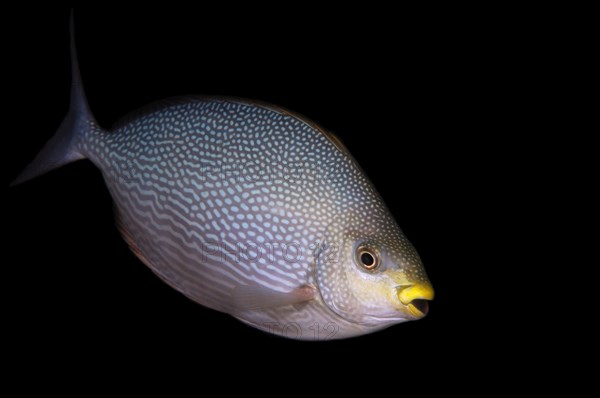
(247,298)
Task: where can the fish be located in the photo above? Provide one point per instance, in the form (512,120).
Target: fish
(249,209)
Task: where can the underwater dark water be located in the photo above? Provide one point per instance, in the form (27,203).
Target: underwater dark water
(406,105)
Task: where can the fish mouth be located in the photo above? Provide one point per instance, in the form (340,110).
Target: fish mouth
(415,298)
(419,307)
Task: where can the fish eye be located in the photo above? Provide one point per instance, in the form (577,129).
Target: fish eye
(367,258)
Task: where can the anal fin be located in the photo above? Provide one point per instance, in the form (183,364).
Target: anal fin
(156,264)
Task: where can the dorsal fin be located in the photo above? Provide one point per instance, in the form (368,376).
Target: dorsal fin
(167,103)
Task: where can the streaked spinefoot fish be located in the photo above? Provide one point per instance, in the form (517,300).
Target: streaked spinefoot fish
(249,209)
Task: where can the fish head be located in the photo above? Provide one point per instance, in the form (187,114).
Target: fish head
(369,273)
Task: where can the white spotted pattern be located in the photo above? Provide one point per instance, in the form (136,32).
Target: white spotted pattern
(220,193)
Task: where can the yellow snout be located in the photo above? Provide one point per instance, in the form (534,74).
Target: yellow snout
(415,297)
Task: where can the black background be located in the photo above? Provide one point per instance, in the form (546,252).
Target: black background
(416,103)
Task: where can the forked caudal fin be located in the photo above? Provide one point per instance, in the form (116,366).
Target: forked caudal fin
(64,147)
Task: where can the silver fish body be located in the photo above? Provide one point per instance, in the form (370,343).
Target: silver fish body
(250,210)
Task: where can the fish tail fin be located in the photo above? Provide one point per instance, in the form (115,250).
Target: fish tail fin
(66,144)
